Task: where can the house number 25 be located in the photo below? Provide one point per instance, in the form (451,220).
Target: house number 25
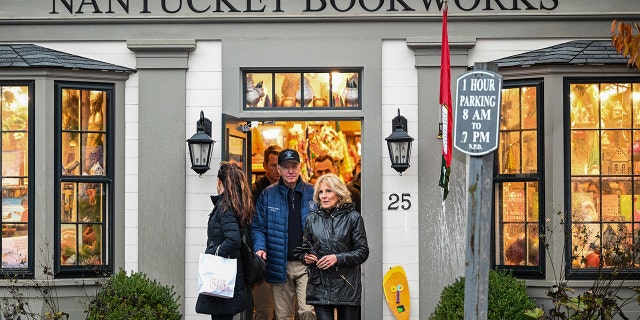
(399,201)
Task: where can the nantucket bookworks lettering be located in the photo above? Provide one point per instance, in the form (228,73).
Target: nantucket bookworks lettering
(134,7)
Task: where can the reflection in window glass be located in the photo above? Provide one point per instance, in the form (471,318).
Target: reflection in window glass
(605,163)
(14,101)
(302,89)
(517,181)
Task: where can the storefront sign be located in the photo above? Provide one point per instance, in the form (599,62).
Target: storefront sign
(248,9)
(245,10)
(477,114)
(279,6)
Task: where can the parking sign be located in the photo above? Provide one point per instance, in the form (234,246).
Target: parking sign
(478,101)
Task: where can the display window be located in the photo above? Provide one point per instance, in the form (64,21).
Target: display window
(308,89)
(518,180)
(604,179)
(16,100)
(339,139)
(85,177)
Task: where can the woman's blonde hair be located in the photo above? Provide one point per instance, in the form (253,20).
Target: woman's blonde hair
(336,185)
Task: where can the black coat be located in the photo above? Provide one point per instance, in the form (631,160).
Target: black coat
(223,231)
(257,187)
(340,232)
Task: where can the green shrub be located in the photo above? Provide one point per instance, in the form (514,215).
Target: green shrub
(134,296)
(508,299)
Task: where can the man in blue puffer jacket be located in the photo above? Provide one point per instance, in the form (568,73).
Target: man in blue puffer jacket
(276,230)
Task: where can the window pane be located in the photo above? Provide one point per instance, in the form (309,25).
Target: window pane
(258,90)
(509,152)
(15,176)
(616,105)
(319,88)
(510,111)
(71,153)
(585,111)
(15,108)
(529,108)
(71,110)
(530,151)
(91,245)
(515,244)
(68,244)
(616,152)
(604,187)
(345,88)
(532,202)
(287,85)
(94,147)
(635,97)
(533,245)
(586,151)
(15,247)
(69,206)
(90,202)
(95,116)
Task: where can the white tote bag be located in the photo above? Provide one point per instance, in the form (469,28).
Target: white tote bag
(216,275)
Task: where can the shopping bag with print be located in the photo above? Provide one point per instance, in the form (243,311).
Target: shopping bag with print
(216,275)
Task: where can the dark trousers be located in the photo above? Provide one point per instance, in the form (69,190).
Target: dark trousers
(344,312)
(221,317)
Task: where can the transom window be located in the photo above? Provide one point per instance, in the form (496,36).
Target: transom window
(85,177)
(16,100)
(309,89)
(603,169)
(518,179)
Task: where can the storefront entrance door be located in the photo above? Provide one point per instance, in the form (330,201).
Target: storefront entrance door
(236,142)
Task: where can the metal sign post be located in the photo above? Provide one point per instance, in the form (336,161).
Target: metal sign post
(478,101)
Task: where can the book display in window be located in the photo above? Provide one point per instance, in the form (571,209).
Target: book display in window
(83,191)
(83,135)
(513,203)
(516,180)
(14,101)
(339,139)
(81,214)
(604,162)
(302,89)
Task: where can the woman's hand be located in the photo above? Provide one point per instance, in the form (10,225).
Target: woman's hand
(310,258)
(327,262)
(262,254)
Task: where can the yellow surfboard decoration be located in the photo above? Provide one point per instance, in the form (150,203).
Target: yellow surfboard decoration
(396,291)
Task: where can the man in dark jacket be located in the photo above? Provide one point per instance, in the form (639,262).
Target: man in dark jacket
(271,174)
(324,164)
(281,210)
(262,297)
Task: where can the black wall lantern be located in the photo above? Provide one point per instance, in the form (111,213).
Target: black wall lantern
(399,143)
(200,146)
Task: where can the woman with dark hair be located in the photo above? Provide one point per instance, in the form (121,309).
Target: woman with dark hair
(232,212)
(335,246)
